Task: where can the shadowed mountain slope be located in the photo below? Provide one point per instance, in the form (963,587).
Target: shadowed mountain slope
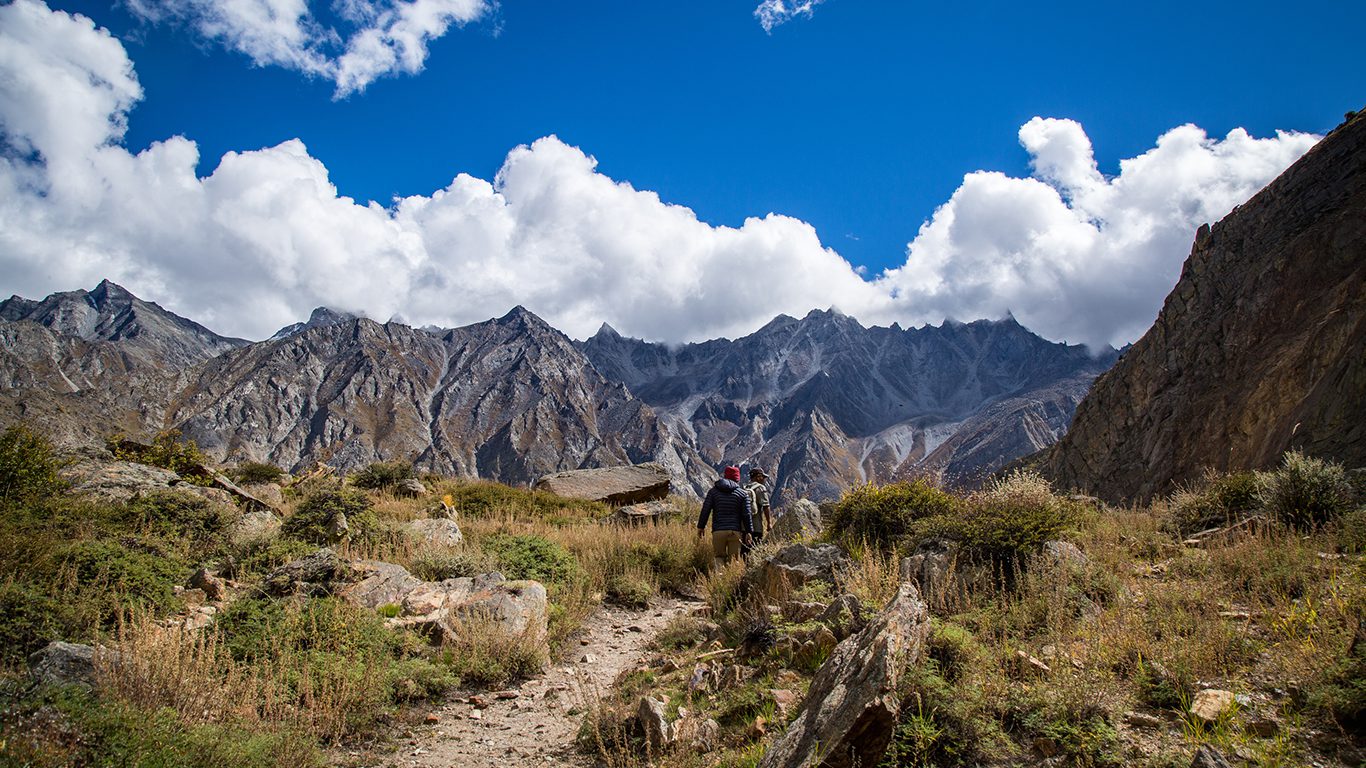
(1260,348)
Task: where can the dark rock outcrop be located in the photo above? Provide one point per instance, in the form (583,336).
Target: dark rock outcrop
(61,663)
(851,709)
(1258,349)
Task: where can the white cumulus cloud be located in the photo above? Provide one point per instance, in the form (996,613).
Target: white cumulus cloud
(381,37)
(1071,253)
(772,13)
(266,236)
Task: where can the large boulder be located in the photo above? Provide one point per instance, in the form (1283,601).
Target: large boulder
(631,484)
(439,608)
(62,663)
(441,531)
(320,573)
(650,512)
(118,480)
(850,712)
(796,564)
(799,521)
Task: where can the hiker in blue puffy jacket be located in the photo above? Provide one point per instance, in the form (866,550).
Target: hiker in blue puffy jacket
(732,521)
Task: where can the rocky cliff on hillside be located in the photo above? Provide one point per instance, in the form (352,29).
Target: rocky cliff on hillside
(509,399)
(86,364)
(829,403)
(1260,348)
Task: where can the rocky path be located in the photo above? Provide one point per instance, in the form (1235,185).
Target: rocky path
(530,724)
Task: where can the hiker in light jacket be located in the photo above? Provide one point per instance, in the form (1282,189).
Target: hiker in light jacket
(732,522)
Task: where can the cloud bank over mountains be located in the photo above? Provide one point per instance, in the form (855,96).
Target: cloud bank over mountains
(377,37)
(266,237)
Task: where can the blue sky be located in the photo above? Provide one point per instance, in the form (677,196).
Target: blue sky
(860,120)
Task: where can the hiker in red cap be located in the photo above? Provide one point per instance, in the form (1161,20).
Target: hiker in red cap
(732,520)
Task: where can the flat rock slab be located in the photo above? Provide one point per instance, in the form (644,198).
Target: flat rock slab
(634,484)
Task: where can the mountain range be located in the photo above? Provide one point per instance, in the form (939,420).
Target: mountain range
(820,402)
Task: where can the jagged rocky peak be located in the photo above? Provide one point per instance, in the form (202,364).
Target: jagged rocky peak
(1258,348)
(112,313)
(321,317)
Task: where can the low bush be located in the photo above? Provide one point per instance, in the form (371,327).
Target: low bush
(28,621)
(256,473)
(1305,492)
(886,514)
(65,727)
(477,499)
(484,653)
(1218,500)
(1008,520)
(315,518)
(28,466)
(629,590)
(168,451)
(332,656)
(440,564)
(382,475)
(531,556)
(683,631)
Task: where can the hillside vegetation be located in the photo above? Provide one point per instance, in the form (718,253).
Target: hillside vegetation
(1061,628)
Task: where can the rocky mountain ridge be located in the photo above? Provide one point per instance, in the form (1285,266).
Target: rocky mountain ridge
(829,403)
(821,402)
(1257,350)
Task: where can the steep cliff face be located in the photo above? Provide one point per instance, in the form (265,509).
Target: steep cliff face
(829,403)
(1260,348)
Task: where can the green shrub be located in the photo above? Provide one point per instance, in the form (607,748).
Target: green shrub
(1352,531)
(1342,690)
(1010,519)
(167,451)
(66,727)
(531,557)
(314,517)
(28,620)
(943,724)
(334,644)
(116,578)
(28,466)
(953,649)
(1160,689)
(382,474)
(886,514)
(173,514)
(256,473)
(1306,492)
(1220,501)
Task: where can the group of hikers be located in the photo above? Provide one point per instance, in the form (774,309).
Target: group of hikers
(739,513)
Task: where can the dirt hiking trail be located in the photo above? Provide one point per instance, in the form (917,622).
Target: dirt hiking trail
(530,723)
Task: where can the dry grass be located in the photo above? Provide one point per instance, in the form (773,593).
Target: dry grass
(151,666)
